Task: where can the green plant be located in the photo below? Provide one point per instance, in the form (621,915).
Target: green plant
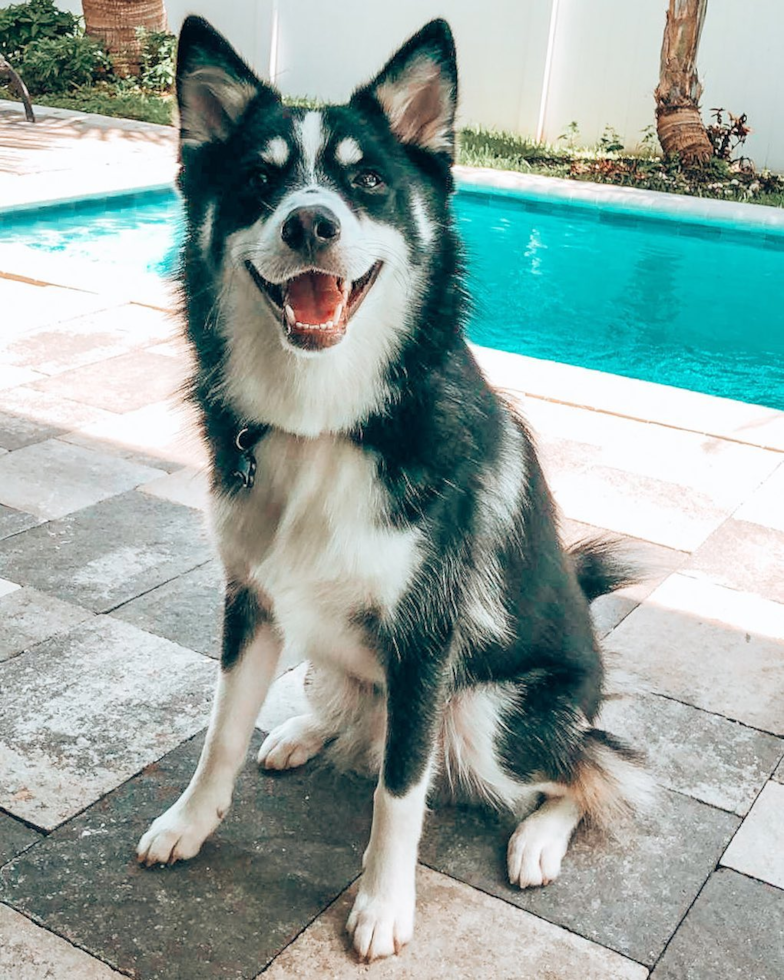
(650,141)
(727,135)
(24,23)
(570,135)
(157,60)
(62,63)
(609,141)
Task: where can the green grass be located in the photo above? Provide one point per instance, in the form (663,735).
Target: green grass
(500,151)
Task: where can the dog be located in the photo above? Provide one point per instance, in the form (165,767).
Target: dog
(377,506)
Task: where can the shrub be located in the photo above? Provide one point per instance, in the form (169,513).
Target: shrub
(62,63)
(23,23)
(157,60)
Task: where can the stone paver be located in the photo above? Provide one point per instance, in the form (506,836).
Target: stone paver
(100,702)
(17,431)
(460,934)
(36,304)
(766,505)
(29,617)
(109,553)
(51,479)
(87,339)
(733,932)
(120,384)
(187,610)
(742,555)
(628,894)
(163,434)
(42,408)
(10,377)
(13,521)
(703,755)
(758,847)
(15,837)
(188,487)
(290,845)
(709,646)
(778,775)
(6,587)
(669,487)
(28,952)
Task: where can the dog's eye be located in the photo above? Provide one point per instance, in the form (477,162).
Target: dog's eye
(259,179)
(368,180)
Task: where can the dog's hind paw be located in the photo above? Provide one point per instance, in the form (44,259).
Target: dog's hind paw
(539,843)
(176,835)
(292,743)
(380,927)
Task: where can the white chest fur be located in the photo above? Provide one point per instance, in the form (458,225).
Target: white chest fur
(312,536)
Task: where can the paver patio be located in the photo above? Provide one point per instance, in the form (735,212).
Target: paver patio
(110,602)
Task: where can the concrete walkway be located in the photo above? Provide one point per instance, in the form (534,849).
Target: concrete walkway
(109,604)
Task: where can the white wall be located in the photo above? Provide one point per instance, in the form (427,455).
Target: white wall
(603,68)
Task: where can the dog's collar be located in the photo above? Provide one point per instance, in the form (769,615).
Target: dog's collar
(244,441)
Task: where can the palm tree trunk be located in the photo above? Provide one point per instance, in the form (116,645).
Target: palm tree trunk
(678,122)
(114,22)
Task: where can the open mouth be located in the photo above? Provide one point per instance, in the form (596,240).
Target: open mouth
(315,307)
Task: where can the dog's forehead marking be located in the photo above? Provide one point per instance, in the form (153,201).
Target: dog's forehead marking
(348,152)
(310,135)
(276,151)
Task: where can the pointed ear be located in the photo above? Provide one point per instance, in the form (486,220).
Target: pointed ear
(214,85)
(417,90)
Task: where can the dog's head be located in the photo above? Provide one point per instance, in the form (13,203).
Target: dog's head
(317,226)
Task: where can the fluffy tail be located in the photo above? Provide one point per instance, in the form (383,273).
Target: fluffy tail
(602,566)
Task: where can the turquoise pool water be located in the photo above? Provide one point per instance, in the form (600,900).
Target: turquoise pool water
(683,304)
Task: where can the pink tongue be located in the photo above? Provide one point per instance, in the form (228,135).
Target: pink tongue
(314,297)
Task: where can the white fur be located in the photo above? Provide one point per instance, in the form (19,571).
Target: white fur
(498,514)
(348,152)
(310,135)
(327,391)
(276,152)
(311,535)
(179,833)
(470,730)
(538,845)
(425,226)
(382,919)
(208,223)
(292,743)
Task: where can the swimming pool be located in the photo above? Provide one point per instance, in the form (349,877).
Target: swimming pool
(679,303)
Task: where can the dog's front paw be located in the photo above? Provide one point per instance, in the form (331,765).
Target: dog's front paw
(381,925)
(177,835)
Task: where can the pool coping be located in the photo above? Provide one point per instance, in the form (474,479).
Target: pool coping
(579,387)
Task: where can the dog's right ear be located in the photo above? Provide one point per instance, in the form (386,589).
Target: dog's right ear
(214,85)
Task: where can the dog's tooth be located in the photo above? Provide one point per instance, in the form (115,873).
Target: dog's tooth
(338,312)
(290,314)
(303,325)
(328,325)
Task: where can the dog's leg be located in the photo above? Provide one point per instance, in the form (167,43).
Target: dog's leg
(250,656)
(607,785)
(382,919)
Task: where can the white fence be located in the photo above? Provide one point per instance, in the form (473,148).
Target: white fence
(527,66)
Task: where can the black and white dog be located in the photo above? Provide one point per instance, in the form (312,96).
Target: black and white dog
(376,505)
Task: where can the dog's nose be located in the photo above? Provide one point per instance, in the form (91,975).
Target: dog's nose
(310,228)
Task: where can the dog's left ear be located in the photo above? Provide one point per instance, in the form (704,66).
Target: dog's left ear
(417,90)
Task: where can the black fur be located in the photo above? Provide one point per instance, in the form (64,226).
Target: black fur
(242,616)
